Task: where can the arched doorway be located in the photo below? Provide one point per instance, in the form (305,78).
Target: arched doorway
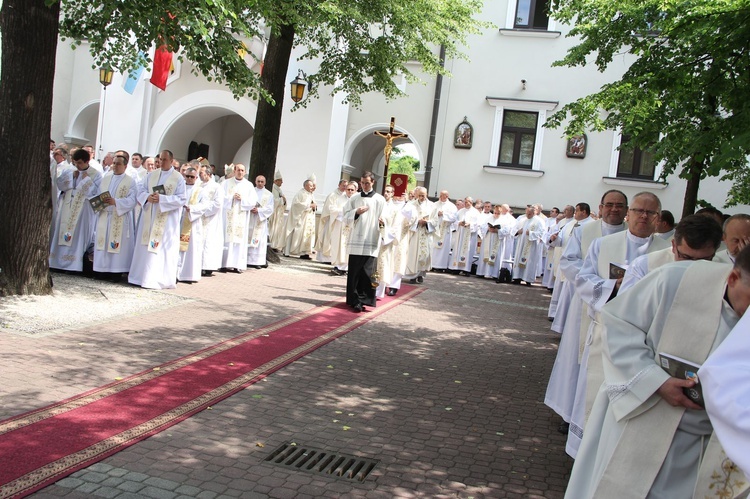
(213,119)
(84,125)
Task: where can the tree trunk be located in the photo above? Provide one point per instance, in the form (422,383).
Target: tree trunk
(29,41)
(268,118)
(691,189)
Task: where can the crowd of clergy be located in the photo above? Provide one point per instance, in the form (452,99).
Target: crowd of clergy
(632,292)
(651,375)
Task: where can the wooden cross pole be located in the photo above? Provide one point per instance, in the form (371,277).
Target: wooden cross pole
(389,136)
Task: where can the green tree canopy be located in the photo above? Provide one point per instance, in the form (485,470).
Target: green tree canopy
(361,46)
(685,96)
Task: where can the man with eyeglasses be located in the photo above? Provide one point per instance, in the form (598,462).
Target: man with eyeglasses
(646,435)
(157,245)
(339,233)
(598,282)
(561,390)
(696,237)
(114,238)
(192,231)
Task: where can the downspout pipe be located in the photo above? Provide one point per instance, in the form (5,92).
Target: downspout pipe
(434,122)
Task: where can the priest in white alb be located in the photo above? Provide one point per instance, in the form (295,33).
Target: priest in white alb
(300,224)
(192,233)
(213,223)
(239,198)
(74,226)
(645,437)
(444,215)
(464,240)
(257,245)
(417,215)
(157,246)
(528,257)
(278,220)
(115,225)
(333,207)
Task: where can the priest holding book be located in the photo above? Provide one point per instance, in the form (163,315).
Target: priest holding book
(115,224)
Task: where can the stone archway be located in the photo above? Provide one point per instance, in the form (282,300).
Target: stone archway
(210,117)
(84,126)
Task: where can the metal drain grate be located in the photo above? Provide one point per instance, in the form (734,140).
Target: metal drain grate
(321,462)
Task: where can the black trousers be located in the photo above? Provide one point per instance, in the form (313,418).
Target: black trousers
(359,288)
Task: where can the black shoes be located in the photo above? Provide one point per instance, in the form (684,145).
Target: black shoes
(359,308)
(391,291)
(304,257)
(563,428)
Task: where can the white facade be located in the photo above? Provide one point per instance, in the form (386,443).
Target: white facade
(509,70)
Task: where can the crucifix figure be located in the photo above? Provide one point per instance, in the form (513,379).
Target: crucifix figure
(389,136)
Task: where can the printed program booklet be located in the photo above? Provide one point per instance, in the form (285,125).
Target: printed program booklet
(683,369)
(160,189)
(98,203)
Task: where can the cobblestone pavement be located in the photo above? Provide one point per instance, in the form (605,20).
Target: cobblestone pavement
(445,392)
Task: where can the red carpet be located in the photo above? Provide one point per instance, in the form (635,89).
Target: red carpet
(43,446)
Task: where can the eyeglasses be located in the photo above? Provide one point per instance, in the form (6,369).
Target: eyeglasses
(683,256)
(640,212)
(619,206)
(190,176)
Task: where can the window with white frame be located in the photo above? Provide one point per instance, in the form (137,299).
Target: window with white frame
(634,162)
(517,136)
(631,166)
(529,17)
(531,14)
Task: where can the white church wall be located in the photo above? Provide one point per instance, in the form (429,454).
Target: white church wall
(322,137)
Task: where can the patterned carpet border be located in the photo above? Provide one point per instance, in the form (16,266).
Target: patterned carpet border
(59,468)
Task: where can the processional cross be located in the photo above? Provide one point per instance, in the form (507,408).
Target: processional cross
(389,136)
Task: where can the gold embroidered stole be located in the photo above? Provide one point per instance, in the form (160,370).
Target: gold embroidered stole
(259,224)
(152,232)
(236,221)
(186,226)
(114,234)
(464,235)
(73,203)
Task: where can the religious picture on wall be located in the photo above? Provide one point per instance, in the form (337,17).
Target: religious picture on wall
(577,146)
(464,135)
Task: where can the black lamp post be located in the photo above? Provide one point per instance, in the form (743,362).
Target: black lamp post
(297,86)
